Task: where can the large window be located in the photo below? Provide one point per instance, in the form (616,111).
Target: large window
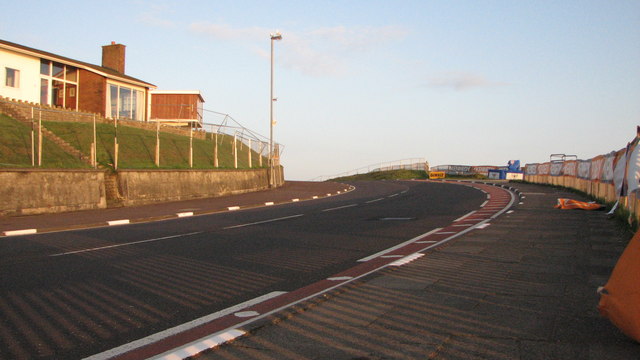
(125,103)
(12,78)
(58,84)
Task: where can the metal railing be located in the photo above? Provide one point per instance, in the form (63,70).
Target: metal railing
(216,126)
(403,164)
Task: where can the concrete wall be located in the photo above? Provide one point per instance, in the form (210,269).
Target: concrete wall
(138,187)
(35,191)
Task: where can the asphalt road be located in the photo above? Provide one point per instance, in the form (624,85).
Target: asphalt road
(77,293)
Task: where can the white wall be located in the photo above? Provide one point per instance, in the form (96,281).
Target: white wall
(29,68)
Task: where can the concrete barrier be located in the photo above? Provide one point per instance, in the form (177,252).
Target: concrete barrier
(137,187)
(37,191)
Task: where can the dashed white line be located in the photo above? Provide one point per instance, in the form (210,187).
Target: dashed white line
(124,244)
(185,214)
(374,200)
(340,207)
(263,221)
(20,232)
(233,208)
(118,222)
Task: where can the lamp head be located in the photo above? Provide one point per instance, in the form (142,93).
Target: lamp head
(276,36)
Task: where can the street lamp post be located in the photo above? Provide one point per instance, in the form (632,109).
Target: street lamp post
(275,36)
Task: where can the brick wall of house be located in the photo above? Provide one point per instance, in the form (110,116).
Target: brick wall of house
(92,92)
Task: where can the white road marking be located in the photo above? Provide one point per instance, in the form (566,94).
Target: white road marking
(118,222)
(233,208)
(372,201)
(201,345)
(20,232)
(340,207)
(269,203)
(244,314)
(263,221)
(295,200)
(380,253)
(482,226)
(184,327)
(125,244)
(392,195)
(465,216)
(407,259)
(340,278)
(185,214)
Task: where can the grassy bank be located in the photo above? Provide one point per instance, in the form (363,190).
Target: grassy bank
(16,148)
(137,147)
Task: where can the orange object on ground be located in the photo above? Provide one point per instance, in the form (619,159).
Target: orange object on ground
(620,297)
(565,204)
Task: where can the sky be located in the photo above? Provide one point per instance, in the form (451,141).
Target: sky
(367,82)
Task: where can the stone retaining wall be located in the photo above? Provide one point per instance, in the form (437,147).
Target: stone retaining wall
(38,191)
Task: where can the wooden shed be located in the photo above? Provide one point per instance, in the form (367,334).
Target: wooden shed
(177,108)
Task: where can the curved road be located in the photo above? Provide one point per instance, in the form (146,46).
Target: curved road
(77,293)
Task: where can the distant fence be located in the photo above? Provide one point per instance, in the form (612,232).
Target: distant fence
(404,164)
(611,177)
(256,147)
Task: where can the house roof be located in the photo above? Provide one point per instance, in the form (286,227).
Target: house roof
(106,72)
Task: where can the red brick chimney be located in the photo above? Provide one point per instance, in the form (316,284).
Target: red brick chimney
(113,57)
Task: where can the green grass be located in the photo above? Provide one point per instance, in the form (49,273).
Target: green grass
(385,175)
(15,148)
(137,147)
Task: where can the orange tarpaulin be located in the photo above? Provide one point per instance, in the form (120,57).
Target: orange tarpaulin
(620,297)
(575,204)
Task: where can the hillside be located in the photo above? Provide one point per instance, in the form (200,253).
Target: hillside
(385,175)
(136,147)
(15,148)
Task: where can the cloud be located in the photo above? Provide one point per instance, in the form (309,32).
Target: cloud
(462,81)
(153,16)
(226,32)
(323,51)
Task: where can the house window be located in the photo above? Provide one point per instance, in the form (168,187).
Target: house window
(125,103)
(58,84)
(12,78)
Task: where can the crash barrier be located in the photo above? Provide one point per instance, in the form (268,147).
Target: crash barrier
(612,177)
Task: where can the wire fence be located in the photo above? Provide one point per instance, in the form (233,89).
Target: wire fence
(242,147)
(403,164)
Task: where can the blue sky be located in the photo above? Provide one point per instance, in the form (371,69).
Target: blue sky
(364,82)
